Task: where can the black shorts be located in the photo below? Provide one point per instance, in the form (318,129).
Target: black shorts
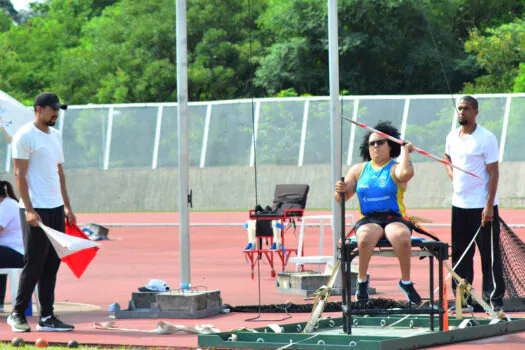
(382,219)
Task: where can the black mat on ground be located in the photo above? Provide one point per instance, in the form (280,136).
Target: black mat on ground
(331,306)
(510,305)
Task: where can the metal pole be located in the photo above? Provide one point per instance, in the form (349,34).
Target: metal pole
(345,268)
(182,119)
(335,124)
(107,146)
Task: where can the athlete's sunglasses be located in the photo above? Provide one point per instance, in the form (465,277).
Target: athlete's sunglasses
(377,142)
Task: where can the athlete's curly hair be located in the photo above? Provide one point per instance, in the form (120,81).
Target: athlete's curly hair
(387,128)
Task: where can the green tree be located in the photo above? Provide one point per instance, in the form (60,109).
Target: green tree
(480,14)
(31,52)
(136,62)
(125,55)
(519,82)
(385,48)
(499,53)
(5,21)
(7,7)
(298,57)
(225,45)
(109,51)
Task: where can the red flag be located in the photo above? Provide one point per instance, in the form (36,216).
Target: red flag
(79,261)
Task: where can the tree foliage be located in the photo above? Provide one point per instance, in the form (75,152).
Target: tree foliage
(7,7)
(5,22)
(118,51)
(519,82)
(499,52)
(398,55)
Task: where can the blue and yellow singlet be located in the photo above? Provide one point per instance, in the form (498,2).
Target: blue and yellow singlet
(378,191)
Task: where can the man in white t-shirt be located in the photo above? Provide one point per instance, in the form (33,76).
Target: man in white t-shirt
(38,158)
(475,149)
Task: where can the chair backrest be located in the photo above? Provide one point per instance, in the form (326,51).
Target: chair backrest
(290,196)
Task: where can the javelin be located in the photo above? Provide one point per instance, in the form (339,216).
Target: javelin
(402,143)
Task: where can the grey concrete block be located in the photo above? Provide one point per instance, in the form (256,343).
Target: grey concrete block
(174,304)
(143,300)
(305,283)
(189,301)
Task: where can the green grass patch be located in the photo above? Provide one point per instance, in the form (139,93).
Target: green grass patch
(30,345)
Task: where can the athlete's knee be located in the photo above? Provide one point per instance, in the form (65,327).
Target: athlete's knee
(367,240)
(398,234)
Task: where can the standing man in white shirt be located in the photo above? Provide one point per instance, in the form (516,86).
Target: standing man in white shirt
(38,158)
(474,203)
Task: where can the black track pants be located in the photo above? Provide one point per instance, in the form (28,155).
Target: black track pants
(41,261)
(465,224)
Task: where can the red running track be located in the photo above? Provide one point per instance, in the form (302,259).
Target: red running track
(133,255)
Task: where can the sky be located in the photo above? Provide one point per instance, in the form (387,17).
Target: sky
(21,4)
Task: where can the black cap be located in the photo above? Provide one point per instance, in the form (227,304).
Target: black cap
(49,99)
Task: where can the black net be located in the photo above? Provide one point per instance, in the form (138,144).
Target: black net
(512,250)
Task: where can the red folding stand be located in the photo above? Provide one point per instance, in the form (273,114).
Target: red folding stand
(254,255)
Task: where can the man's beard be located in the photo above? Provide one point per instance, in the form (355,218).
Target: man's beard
(462,121)
(52,122)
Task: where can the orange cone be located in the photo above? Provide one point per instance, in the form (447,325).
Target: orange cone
(445,305)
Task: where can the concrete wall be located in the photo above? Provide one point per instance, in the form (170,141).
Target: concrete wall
(234,187)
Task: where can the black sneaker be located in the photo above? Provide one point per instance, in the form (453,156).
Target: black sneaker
(361,294)
(53,324)
(18,323)
(411,293)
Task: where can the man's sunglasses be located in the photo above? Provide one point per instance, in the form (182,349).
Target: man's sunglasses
(377,142)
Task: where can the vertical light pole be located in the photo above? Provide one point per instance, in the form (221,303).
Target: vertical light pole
(182,119)
(335,124)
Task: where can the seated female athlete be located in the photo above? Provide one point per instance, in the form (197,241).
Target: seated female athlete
(380,183)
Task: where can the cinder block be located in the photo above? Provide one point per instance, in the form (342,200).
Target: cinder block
(305,283)
(301,280)
(173,304)
(143,300)
(189,301)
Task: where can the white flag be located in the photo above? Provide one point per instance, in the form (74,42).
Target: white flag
(13,114)
(65,244)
